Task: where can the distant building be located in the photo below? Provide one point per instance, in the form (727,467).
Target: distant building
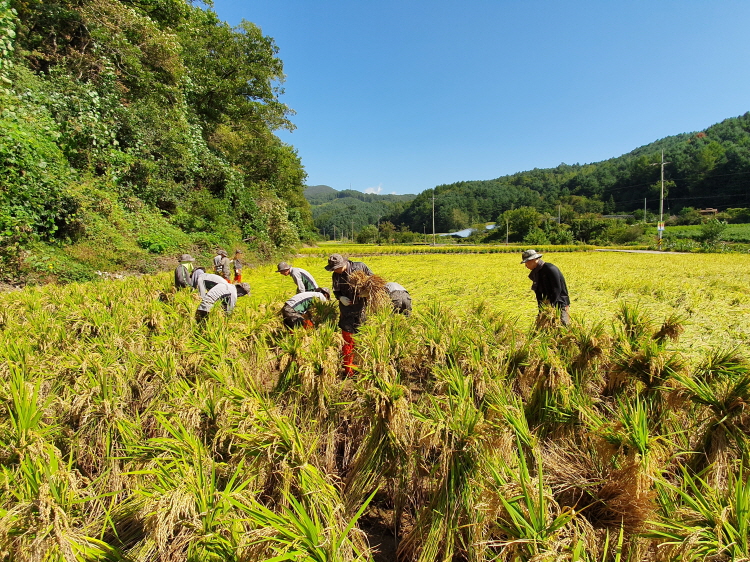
(465,233)
(708,212)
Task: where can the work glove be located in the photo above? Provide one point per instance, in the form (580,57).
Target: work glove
(346,301)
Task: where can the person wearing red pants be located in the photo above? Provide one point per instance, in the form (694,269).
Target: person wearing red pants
(351,305)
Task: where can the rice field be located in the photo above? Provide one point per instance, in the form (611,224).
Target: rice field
(471,432)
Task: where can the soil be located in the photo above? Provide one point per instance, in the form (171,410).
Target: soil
(379,534)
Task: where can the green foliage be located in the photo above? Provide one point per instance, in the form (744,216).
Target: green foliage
(522,222)
(368,234)
(708,168)
(158,106)
(35,172)
(349,208)
(689,215)
(712,230)
(732,232)
(535,237)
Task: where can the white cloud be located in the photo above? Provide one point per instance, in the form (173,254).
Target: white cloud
(375,190)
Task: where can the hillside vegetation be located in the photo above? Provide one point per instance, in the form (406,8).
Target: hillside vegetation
(133,128)
(710,168)
(350,210)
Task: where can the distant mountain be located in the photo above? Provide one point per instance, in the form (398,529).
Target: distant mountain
(315,190)
(349,208)
(710,168)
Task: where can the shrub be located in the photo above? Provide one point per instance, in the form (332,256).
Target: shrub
(536,236)
(712,229)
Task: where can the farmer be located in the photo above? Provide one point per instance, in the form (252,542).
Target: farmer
(237,266)
(221,264)
(303,279)
(208,281)
(183,272)
(548,284)
(225,293)
(296,311)
(400,298)
(197,272)
(351,305)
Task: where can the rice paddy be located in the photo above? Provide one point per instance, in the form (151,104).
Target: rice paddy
(471,432)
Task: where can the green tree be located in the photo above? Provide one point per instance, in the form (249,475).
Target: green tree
(712,229)
(368,234)
(521,222)
(387,231)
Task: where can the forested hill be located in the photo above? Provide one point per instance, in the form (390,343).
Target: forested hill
(132,128)
(349,208)
(710,168)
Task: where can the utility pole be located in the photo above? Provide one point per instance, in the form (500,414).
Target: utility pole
(507,230)
(334,232)
(352,230)
(644,211)
(558,214)
(433,217)
(660,228)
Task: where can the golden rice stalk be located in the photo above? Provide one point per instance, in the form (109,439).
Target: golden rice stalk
(671,328)
(606,496)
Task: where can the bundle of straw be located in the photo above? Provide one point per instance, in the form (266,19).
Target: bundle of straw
(372,288)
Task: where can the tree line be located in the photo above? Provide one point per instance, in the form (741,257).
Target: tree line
(708,168)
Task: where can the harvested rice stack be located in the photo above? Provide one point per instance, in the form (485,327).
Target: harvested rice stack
(372,288)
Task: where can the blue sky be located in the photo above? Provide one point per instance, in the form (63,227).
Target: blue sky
(398,97)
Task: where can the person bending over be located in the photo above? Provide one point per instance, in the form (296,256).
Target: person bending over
(208,281)
(223,293)
(296,311)
(303,279)
(400,298)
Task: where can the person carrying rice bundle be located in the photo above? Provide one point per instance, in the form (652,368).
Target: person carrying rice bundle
(348,282)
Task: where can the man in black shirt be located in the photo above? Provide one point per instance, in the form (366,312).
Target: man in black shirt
(548,284)
(351,305)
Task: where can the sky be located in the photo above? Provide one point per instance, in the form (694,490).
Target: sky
(401,96)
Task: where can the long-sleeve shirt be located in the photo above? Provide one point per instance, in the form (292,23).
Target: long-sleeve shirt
(302,301)
(351,316)
(222,292)
(208,281)
(303,279)
(549,285)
